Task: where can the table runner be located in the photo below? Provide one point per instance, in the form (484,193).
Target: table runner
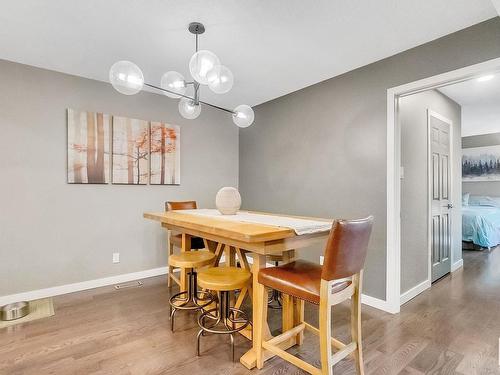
(300,226)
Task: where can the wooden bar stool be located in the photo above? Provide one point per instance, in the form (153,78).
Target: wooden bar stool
(337,280)
(191,299)
(175,239)
(224,319)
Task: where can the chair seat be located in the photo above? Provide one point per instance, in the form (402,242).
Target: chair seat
(224,278)
(299,279)
(191,259)
(196,242)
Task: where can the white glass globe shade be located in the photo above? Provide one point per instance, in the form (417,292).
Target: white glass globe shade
(243,116)
(188,109)
(201,63)
(220,79)
(173,81)
(126,77)
(228,201)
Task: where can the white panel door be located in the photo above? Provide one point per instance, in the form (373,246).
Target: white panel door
(440,195)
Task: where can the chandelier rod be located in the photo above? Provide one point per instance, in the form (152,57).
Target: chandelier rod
(188,97)
(196,84)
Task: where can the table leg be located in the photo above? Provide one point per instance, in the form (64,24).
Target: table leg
(229,254)
(186,246)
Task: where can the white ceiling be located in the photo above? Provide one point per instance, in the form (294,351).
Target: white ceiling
(496,4)
(480,103)
(272,47)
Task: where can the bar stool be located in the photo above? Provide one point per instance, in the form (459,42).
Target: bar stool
(191,299)
(175,239)
(339,279)
(224,319)
(275,300)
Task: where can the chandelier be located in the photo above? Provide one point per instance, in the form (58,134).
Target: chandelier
(205,68)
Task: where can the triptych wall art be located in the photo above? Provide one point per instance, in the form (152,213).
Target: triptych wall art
(104,148)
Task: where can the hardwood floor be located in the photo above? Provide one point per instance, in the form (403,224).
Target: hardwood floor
(453,328)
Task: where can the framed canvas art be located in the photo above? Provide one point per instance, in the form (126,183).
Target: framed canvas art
(481,164)
(130,151)
(88,147)
(165,154)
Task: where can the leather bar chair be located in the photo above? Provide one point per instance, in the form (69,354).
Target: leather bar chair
(175,239)
(224,319)
(339,279)
(191,299)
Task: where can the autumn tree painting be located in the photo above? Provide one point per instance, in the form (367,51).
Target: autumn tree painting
(88,147)
(130,151)
(165,154)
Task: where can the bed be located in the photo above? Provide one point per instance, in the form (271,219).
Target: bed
(481,221)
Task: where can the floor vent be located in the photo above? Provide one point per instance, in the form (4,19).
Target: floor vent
(133,284)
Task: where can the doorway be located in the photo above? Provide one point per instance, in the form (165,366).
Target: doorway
(395,173)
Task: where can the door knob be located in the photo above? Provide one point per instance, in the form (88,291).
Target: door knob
(449,205)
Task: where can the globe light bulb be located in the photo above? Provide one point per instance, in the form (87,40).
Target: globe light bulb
(201,63)
(126,77)
(188,109)
(243,116)
(173,81)
(220,79)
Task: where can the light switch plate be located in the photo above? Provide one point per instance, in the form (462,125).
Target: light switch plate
(116,257)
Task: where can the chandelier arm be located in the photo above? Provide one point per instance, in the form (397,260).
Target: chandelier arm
(217,107)
(172,92)
(188,97)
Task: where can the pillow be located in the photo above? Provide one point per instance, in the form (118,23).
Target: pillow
(465,199)
(482,200)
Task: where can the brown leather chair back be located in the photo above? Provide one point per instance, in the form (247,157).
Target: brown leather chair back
(346,248)
(187,205)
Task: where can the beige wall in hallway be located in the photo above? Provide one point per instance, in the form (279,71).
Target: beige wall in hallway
(414,185)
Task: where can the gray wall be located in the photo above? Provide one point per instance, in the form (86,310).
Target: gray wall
(322,150)
(490,188)
(414,185)
(52,233)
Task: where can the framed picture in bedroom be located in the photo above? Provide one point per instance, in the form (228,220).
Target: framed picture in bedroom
(130,148)
(165,160)
(88,147)
(481,164)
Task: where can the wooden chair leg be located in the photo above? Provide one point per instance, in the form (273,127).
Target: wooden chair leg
(325,330)
(170,269)
(356,323)
(298,318)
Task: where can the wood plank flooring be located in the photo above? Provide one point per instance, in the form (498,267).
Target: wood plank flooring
(453,328)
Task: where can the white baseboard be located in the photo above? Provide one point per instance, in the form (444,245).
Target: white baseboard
(91,284)
(458,264)
(376,303)
(415,291)
(84,285)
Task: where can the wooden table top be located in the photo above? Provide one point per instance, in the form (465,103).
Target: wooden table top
(246,232)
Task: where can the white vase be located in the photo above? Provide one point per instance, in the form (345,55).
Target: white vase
(228,201)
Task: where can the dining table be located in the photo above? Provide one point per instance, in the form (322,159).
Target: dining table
(250,237)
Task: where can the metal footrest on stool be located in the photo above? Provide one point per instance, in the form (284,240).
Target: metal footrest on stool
(192,299)
(223,320)
(275,300)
